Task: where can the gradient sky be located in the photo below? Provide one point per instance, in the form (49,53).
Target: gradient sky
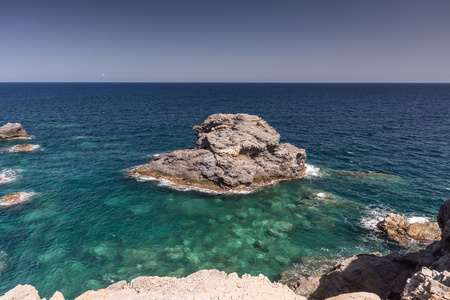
(225,41)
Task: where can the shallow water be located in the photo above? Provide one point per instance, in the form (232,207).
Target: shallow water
(88,224)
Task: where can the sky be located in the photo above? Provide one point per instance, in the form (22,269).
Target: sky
(225,41)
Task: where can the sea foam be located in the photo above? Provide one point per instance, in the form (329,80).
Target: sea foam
(170,184)
(312,171)
(8,175)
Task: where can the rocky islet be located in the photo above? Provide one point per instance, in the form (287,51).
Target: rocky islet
(233,152)
(11,131)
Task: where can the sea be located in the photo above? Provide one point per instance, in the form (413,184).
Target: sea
(372,149)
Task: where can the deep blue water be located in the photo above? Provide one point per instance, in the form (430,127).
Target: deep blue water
(88,224)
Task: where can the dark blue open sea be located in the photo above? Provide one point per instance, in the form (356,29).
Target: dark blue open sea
(87,224)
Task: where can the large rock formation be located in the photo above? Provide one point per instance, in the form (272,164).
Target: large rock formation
(233,152)
(11,131)
(401,230)
(202,285)
(391,276)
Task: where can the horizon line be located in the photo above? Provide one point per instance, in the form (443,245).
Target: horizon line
(238,82)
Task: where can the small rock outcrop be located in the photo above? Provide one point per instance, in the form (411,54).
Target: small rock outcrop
(11,131)
(15,198)
(233,152)
(401,230)
(202,285)
(23,148)
(427,284)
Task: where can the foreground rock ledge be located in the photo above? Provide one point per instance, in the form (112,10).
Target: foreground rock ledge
(233,152)
(415,275)
(202,285)
(11,131)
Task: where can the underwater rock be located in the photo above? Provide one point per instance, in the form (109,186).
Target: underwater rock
(399,229)
(11,131)
(361,175)
(233,152)
(427,284)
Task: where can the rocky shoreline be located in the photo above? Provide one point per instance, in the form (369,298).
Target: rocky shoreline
(232,153)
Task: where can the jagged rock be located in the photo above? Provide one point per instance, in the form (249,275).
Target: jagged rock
(356,296)
(205,284)
(401,230)
(11,131)
(427,284)
(57,296)
(385,276)
(22,292)
(232,152)
(202,285)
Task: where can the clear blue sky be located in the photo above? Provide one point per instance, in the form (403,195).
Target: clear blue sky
(225,41)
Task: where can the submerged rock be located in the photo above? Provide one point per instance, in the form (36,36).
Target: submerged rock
(401,230)
(11,131)
(361,175)
(233,152)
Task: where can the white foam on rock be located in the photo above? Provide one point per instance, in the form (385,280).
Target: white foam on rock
(312,171)
(170,184)
(8,175)
(418,220)
(14,149)
(372,217)
(24,197)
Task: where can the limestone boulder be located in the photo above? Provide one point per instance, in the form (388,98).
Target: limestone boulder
(356,296)
(401,230)
(22,292)
(11,131)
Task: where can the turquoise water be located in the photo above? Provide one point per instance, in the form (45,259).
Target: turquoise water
(87,224)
